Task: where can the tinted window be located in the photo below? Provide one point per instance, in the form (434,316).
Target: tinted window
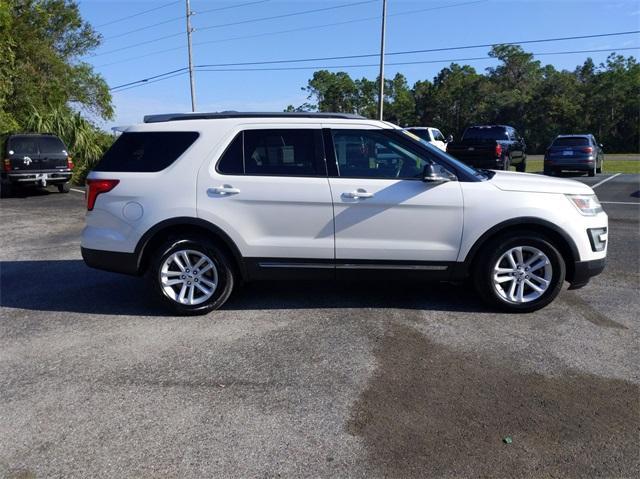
(485,133)
(146,152)
(51,144)
(23,145)
(274,152)
(437,135)
(232,162)
(571,141)
(373,154)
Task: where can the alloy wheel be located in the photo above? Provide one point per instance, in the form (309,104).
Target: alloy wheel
(188,277)
(522,274)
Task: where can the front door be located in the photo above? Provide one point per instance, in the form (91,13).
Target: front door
(384,213)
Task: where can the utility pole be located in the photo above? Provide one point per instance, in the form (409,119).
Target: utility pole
(191,79)
(384,24)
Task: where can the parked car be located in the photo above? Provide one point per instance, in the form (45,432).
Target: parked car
(201,202)
(431,135)
(35,159)
(495,147)
(574,153)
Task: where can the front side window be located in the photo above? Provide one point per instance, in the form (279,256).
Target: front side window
(373,154)
(437,135)
(274,152)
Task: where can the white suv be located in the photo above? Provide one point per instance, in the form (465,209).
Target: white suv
(202,202)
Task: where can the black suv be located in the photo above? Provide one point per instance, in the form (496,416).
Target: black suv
(495,147)
(35,159)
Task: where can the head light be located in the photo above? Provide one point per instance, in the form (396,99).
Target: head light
(588,205)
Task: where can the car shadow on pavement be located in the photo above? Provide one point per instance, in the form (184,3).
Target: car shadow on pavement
(71,286)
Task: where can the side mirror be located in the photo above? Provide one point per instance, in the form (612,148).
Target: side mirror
(600,145)
(449,139)
(431,175)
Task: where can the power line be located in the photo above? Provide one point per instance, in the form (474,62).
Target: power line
(153,81)
(241,22)
(286,15)
(312,27)
(164,22)
(418,62)
(409,52)
(182,71)
(122,19)
(144,80)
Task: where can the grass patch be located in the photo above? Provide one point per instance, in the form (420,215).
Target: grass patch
(613,163)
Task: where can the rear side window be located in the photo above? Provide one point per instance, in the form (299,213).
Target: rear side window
(274,152)
(146,152)
(571,141)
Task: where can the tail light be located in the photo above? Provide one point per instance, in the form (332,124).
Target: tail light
(498,150)
(96,187)
(70,164)
(588,149)
(6,164)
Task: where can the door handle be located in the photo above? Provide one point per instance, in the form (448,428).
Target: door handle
(359,193)
(223,190)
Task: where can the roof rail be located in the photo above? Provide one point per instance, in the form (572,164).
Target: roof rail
(238,114)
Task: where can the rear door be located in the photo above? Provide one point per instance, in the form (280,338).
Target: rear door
(385,215)
(36,153)
(269,191)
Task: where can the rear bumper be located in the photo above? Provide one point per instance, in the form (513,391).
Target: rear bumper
(116,262)
(585,270)
(37,177)
(570,165)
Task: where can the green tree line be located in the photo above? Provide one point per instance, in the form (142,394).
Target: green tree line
(44,87)
(538,100)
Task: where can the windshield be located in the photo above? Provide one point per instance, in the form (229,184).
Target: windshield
(485,133)
(480,174)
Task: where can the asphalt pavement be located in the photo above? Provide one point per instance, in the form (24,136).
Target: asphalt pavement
(310,379)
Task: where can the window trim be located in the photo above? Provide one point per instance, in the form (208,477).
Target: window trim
(319,155)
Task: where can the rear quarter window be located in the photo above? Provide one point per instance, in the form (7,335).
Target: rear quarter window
(146,152)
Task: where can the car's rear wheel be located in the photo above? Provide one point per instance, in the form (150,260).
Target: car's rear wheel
(64,188)
(522,166)
(599,170)
(592,171)
(520,272)
(192,275)
(6,189)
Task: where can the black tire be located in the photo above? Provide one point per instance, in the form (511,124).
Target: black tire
(64,188)
(592,171)
(599,170)
(6,189)
(222,266)
(522,166)
(483,272)
(548,171)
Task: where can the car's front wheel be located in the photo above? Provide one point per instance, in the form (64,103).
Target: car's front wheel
(192,275)
(64,188)
(520,272)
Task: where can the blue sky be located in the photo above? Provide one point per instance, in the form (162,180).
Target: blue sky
(441,24)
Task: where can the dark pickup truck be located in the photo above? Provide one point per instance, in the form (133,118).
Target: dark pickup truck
(35,159)
(494,147)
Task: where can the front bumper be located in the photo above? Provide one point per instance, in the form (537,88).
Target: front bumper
(585,270)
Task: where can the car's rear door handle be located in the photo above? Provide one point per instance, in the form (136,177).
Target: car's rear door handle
(359,193)
(223,190)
